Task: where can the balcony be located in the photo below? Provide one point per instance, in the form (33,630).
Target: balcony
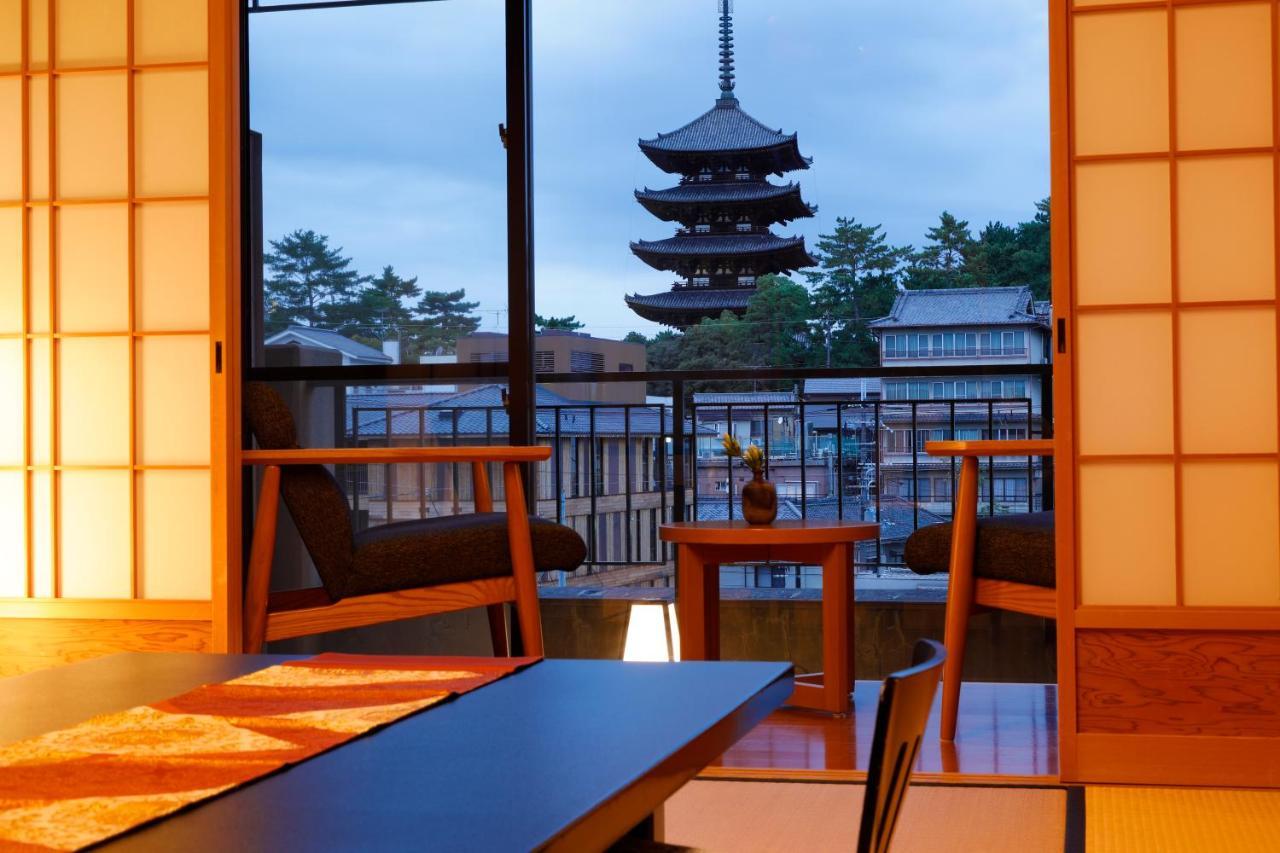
(618,471)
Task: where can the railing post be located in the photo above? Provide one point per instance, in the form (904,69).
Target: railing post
(677,449)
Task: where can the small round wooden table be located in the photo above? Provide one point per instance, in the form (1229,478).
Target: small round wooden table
(701,546)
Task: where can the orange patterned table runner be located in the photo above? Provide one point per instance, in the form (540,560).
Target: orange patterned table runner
(71,788)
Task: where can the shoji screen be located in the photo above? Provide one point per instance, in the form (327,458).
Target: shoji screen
(1167,152)
(106,329)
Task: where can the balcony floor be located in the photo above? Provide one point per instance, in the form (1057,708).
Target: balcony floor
(1005,730)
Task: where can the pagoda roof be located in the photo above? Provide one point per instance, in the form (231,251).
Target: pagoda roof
(725,129)
(660,254)
(681,308)
(768,202)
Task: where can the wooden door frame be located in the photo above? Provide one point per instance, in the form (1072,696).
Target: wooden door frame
(226,104)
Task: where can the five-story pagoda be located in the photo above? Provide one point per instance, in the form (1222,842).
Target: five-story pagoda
(725,206)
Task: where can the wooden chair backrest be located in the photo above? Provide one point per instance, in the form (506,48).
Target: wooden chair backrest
(905,701)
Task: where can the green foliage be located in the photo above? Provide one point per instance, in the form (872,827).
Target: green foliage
(443,317)
(308,283)
(311,284)
(1001,256)
(378,312)
(775,328)
(945,259)
(858,276)
(568,324)
(855,283)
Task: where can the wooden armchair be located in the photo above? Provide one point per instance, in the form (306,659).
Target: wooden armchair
(1003,562)
(399,570)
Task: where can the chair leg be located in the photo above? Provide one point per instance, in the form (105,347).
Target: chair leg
(498,630)
(522,565)
(258,585)
(959,593)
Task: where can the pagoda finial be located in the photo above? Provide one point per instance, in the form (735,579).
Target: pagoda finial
(726,50)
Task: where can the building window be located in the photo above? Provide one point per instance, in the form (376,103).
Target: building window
(702,229)
(487,357)
(624,367)
(701,280)
(746,281)
(544,361)
(744,227)
(586,362)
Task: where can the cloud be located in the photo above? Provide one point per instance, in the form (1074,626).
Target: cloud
(380,123)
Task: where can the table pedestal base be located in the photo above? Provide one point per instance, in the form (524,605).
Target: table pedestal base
(698,606)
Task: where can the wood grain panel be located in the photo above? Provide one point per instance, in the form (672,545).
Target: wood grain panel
(1223,683)
(31,644)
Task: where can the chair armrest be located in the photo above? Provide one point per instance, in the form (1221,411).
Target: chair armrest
(989,447)
(386,455)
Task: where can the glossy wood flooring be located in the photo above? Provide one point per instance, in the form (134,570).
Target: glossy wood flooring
(1005,730)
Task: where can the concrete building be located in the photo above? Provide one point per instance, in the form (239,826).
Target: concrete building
(561,351)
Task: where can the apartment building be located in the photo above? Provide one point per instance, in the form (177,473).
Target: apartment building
(961,327)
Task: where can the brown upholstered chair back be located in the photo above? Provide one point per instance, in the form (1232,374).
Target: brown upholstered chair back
(315,501)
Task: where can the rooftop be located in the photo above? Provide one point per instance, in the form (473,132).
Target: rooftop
(327,339)
(726,127)
(479,413)
(689,306)
(747,397)
(970,306)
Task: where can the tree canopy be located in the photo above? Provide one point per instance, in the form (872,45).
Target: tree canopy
(859,273)
(309,283)
(568,324)
(855,282)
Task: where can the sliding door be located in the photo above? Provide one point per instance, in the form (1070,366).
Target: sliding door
(1165,281)
(115,175)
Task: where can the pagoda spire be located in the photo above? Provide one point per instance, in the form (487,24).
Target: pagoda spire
(726,50)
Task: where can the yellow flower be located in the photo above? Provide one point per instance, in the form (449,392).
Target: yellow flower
(754,457)
(731,445)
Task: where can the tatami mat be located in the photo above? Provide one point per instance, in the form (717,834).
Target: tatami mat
(1181,820)
(790,816)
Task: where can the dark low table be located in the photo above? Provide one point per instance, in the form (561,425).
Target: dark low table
(567,755)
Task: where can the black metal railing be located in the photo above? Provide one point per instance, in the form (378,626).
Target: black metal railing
(618,470)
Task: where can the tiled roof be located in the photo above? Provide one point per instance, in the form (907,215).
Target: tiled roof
(965,306)
(479,413)
(735,397)
(720,192)
(724,127)
(716,508)
(696,299)
(331,340)
(717,244)
(897,517)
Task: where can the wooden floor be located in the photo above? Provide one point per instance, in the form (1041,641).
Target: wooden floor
(1005,730)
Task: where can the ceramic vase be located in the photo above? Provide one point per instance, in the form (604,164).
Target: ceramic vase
(759,500)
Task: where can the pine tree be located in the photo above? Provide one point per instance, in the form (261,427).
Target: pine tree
(380,313)
(942,262)
(856,283)
(568,324)
(775,327)
(1032,260)
(1005,256)
(309,283)
(991,261)
(443,317)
